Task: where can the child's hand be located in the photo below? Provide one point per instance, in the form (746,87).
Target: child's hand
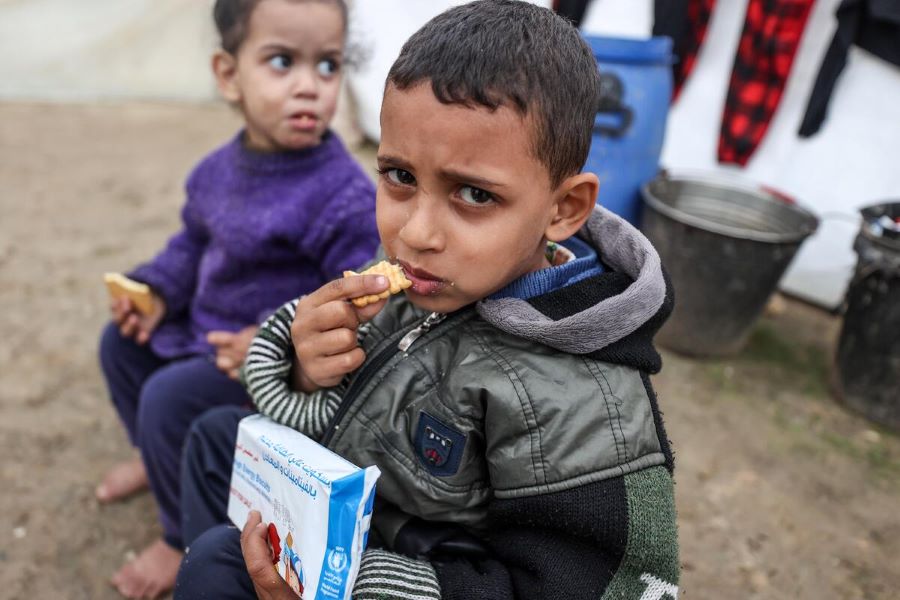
(231,348)
(258,557)
(134,324)
(324,330)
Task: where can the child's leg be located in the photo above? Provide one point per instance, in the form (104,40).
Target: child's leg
(214,568)
(206,470)
(126,366)
(171,399)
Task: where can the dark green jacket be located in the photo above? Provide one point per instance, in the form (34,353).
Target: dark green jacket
(521,448)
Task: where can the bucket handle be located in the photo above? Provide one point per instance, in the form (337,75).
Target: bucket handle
(614,118)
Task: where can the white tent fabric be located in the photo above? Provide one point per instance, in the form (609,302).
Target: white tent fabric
(380,27)
(106,49)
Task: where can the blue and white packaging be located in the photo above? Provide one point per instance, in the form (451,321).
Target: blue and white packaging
(317,504)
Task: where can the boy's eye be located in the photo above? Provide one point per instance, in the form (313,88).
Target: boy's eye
(328,67)
(280,62)
(474,195)
(400,177)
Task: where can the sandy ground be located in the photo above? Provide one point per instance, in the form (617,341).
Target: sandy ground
(781,492)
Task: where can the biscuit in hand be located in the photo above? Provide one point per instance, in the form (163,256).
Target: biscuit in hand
(397,280)
(120,286)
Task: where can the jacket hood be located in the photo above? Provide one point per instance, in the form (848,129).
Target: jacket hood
(602,312)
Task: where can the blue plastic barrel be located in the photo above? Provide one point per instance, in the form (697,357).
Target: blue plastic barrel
(636,77)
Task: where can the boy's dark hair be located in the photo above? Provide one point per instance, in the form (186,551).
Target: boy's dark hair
(496,52)
(233,16)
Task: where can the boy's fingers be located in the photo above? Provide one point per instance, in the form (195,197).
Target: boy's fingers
(258,558)
(339,314)
(328,343)
(329,370)
(346,288)
(367,312)
(254,518)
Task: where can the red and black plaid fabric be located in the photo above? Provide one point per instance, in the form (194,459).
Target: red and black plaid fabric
(771,35)
(698,12)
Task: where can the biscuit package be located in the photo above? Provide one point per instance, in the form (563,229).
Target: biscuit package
(318,506)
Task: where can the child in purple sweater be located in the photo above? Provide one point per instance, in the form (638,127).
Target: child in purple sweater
(273,214)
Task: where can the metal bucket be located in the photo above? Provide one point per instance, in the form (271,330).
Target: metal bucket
(868,353)
(725,246)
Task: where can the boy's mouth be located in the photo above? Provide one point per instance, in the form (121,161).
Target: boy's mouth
(303,121)
(423,282)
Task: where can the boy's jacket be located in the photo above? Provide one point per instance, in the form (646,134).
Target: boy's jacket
(533,416)
(516,435)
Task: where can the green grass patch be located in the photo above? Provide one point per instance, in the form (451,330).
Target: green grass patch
(803,366)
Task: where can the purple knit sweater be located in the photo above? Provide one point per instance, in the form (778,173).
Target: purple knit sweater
(258,230)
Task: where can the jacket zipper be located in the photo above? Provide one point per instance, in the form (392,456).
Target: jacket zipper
(388,349)
(429,322)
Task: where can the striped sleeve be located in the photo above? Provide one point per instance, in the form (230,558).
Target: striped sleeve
(387,576)
(266,375)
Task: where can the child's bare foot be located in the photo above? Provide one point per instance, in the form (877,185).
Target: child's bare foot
(123,480)
(151,574)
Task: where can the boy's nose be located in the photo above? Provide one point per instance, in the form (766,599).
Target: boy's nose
(421,230)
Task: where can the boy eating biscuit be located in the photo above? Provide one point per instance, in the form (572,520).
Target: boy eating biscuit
(505,395)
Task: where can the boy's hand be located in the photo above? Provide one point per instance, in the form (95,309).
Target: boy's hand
(258,557)
(324,330)
(231,348)
(134,324)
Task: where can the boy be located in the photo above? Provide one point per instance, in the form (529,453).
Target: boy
(505,396)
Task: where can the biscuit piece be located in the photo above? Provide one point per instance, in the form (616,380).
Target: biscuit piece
(139,293)
(396,278)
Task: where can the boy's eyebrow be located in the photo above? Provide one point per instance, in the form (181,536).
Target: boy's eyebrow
(451,174)
(473,179)
(393,160)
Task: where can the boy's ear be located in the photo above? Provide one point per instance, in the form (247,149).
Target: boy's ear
(575,200)
(224,66)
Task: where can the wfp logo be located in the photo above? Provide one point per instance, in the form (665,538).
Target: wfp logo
(337,559)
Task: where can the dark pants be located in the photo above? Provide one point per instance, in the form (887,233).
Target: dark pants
(213,566)
(157,400)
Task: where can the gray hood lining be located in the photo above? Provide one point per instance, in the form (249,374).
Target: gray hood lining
(624,249)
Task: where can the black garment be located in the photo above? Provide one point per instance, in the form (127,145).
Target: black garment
(873,25)
(686,23)
(572,9)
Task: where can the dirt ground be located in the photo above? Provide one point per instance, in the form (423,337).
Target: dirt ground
(781,492)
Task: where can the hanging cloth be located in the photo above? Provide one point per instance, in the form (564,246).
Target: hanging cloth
(873,25)
(571,9)
(686,22)
(769,41)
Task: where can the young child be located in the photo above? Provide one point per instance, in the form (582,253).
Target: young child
(505,396)
(275,213)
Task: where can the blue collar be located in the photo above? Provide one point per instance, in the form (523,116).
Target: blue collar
(542,281)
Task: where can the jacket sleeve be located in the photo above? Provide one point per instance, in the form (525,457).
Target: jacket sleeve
(173,272)
(266,373)
(386,575)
